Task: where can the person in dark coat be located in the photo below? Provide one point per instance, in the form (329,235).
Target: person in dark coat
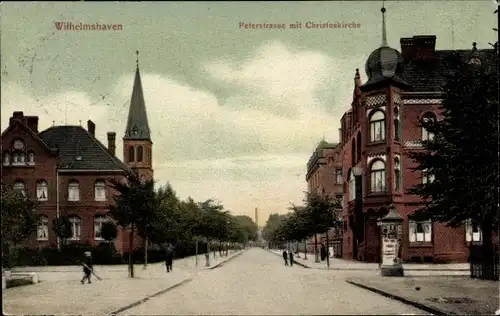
(169,258)
(87,268)
(290,255)
(285,256)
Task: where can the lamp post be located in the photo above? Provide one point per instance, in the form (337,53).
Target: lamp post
(391,232)
(358,208)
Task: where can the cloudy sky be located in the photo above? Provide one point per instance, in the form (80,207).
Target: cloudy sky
(235,113)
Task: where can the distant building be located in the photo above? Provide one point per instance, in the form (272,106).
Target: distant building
(67,169)
(378,132)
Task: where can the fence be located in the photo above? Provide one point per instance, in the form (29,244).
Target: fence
(481,267)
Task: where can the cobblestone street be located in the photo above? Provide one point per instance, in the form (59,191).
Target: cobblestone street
(257,282)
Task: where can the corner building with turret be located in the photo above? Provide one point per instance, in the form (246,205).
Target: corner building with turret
(377,133)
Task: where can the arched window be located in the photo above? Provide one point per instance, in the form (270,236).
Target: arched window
(131,154)
(353,153)
(73,191)
(98,221)
(397,127)
(377,176)
(358,146)
(352,186)
(100,190)
(43,228)
(426,118)
(6,159)
(397,174)
(20,187)
(140,153)
(377,126)
(31,158)
(42,190)
(76,227)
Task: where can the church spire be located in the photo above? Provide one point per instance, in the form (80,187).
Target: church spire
(137,122)
(384,32)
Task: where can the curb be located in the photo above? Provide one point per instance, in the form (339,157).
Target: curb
(134,304)
(220,264)
(294,261)
(426,308)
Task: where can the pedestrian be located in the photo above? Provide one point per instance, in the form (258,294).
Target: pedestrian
(169,257)
(87,267)
(290,254)
(285,256)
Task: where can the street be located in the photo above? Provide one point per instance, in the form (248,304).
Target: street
(257,282)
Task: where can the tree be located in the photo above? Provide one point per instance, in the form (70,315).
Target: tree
(462,156)
(19,219)
(135,207)
(109,231)
(62,228)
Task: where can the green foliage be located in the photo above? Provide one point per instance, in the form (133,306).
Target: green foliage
(463,153)
(62,227)
(109,231)
(19,219)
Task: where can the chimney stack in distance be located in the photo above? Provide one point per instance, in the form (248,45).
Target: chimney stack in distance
(91,127)
(111,143)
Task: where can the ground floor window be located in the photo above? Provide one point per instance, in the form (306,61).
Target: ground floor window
(472,232)
(420,231)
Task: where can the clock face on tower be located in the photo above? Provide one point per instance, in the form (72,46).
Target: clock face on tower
(18,145)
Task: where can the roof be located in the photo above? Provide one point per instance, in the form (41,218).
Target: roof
(432,76)
(137,122)
(78,149)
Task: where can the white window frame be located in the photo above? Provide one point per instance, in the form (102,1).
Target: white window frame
(378,177)
(76,227)
(426,135)
(338,176)
(73,191)
(21,187)
(377,126)
(42,187)
(470,234)
(100,190)
(352,186)
(31,158)
(427,178)
(414,236)
(43,229)
(98,221)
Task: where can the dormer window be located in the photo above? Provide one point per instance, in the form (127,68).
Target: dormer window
(135,131)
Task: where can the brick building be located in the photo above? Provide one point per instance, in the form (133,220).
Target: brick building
(324,177)
(378,131)
(66,168)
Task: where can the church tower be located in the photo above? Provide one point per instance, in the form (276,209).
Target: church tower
(137,144)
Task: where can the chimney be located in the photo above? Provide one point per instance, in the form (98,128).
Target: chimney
(17,116)
(32,122)
(407,48)
(418,47)
(91,127)
(111,143)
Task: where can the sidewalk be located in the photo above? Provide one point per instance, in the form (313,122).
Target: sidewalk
(65,295)
(411,269)
(437,295)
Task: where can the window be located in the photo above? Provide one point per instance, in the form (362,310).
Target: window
(42,191)
(98,221)
(420,231)
(20,187)
(427,117)
(131,154)
(73,191)
(352,186)
(75,228)
(427,177)
(377,126)
(353,153)
(6,159)
(100,190)
(140,153)
(377,176)
(338,176)
(397,175)
(18,159)
(472,232)
(358,147)
(31,158)
(43,228)
(150,157)
(396,130)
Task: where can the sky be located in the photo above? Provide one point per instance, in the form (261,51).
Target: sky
(235,113)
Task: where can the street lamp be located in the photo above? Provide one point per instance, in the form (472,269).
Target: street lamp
(392,231)
(358,209)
